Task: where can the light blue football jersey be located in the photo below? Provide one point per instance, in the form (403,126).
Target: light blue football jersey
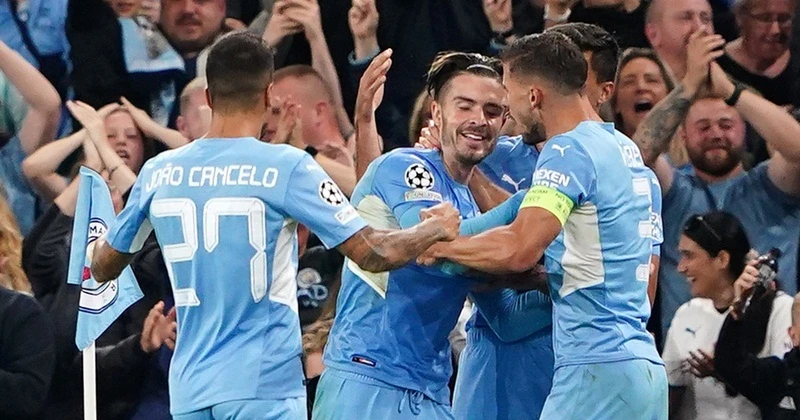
(598,266)
(225,213)
(510,166)
(394,326)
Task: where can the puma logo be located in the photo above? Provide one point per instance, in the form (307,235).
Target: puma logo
(507,178)
(561,149)
(689,330)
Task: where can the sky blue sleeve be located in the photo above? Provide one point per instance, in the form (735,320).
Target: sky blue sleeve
(317,202)
(132,226)
(515,315)
(656,222)
(501,215)
(565,166)
(407,184)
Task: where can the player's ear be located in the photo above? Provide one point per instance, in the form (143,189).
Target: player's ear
(436,113)
(208,97)
(534,98)
(606,93)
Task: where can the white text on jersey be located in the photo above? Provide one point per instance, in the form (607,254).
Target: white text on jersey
(213,176)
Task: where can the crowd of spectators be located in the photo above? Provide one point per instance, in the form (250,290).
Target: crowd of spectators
(108,84)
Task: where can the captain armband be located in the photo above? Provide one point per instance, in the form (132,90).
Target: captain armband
(549,199)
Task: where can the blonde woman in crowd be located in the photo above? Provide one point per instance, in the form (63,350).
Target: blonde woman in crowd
(11,275)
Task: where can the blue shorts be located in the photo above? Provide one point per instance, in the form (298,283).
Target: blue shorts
(631,389)
(285,409)
(344,395)
(499,380)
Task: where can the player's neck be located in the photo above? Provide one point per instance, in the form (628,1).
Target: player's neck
(235,126)
(590,110)
(563,114)
(457,170)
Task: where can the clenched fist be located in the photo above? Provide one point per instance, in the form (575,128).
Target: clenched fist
(446,217)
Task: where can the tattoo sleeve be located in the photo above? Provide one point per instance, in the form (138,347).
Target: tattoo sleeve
(656,130)
(379,250)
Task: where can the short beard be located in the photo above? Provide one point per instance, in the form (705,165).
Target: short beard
(535,135)
(717,169)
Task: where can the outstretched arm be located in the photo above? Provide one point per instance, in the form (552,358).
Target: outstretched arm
(378,250)
(774,124)
(515,248)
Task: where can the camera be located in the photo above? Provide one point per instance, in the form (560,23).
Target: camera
(767,266)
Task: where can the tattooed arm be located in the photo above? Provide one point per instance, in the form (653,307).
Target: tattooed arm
(378,250)
(657,129)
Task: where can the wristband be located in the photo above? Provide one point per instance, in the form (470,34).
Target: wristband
(737,92)
(311,151)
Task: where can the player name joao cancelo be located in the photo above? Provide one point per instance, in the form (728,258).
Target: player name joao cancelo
(212,176)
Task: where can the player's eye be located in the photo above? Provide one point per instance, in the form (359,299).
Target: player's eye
(493,111)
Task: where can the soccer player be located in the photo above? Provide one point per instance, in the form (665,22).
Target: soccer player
(518,335)
(590,207)
(388,355)
(225,209)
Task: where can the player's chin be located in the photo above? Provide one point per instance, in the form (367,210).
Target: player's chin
(474,157)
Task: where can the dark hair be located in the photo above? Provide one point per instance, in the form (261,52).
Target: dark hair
(720,231)
(594,39)
(449,64)
(551,56)
(238,70)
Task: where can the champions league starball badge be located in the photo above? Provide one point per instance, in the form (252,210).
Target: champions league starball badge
(417,176)
(96,297)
